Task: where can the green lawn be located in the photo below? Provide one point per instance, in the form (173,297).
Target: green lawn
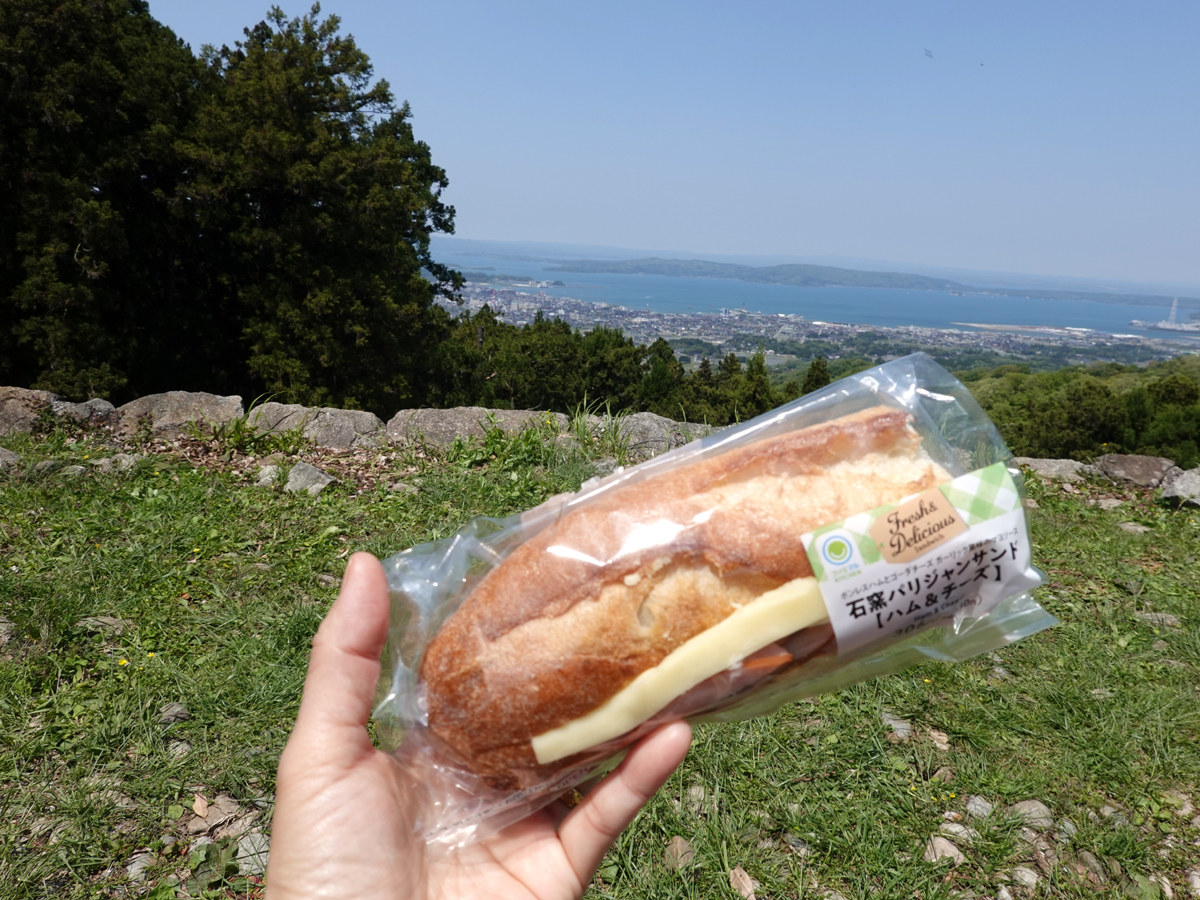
(219,586)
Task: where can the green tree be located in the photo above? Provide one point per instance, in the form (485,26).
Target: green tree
(816,377)
(93,94)
(1175,389)
(316,204)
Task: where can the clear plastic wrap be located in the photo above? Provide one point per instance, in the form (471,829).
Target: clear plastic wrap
(849,534)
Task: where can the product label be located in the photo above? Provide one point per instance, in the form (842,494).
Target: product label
(955,550)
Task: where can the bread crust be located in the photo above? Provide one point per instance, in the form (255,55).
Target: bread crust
(579,610)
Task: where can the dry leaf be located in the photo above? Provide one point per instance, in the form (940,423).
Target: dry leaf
(200,806)
(940,739)
(679,853)
(741,882)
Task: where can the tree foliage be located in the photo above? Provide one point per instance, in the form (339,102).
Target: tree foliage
(253,220)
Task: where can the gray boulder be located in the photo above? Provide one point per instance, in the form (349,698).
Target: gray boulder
(1144,471)
(304,477)
(444,426)
(169,413)
(649,433)
(1056,469)
(1182,488)
(337,429)
(19,408)
(9,460)
(93,412)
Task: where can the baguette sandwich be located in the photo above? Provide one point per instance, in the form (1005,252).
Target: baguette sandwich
(657,599)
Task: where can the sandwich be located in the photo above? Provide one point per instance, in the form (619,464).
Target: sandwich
(657,598)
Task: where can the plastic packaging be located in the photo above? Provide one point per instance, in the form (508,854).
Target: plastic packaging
(937,572)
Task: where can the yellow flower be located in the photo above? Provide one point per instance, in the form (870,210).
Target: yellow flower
(927,681)
(149,654)
(122,662)
(952,795)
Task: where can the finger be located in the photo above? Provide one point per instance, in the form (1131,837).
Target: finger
(593,825)
(344,667)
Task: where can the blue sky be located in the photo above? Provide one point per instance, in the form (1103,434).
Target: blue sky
(1058,138)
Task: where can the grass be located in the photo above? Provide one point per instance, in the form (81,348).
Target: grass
(220,586)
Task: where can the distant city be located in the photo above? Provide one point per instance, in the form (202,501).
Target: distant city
(738,327)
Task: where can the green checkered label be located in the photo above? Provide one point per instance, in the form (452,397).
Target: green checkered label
(839,549)
(983,494)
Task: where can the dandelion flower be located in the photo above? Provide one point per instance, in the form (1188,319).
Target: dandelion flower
(122,662)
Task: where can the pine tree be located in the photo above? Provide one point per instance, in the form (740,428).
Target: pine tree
(816,377)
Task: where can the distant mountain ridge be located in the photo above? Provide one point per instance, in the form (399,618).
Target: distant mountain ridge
(803,275)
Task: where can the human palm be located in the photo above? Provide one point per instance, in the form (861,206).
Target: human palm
(345,811)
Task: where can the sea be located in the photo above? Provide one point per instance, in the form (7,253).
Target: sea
(848,305)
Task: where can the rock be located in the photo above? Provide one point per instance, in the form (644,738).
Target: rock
(797,845)
(1107,502)
(1033,813)
(1143,471)
(171,713)
(7,629)
(696,799)
(957,832)
(168,414)
(999,673)
(46,466)
(937,849)
(336,429)
(1160,645)
(978,807)
(443,427)
(328,580)
(72,471)
(1182,488)
(1093,865)
(236,827)
(304,477)
(649,434)
(901,728)
(137,866)
(679,853)
(1056,469)
(253,851)
(605,466)
(93,412)
(267,476)
(401,487)
(9,460)
(1158,620)
(19,408)
(1030,503)
(1133,527)
(126,461)
(1193,878)
(945,775)
(109,624)
(178,749)
(1003,894)
(1026,878)
(1066,831)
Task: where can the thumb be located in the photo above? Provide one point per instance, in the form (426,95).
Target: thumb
(344,667)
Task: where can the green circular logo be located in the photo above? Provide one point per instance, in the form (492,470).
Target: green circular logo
(837,550)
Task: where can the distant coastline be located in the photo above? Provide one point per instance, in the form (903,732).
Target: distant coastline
(802,275)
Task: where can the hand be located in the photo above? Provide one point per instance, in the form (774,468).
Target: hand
(344,810)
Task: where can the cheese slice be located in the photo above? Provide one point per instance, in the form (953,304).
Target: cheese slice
(774,615)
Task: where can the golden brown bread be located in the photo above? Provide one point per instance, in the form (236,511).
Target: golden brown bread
(579,610)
